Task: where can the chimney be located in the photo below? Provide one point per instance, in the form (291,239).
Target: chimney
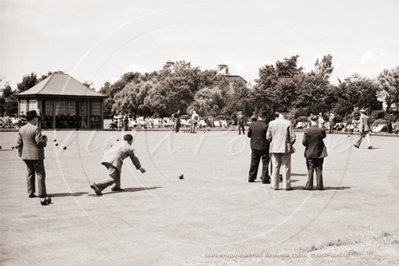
(222,66)
(169,64)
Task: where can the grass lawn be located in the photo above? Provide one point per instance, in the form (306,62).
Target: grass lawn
(211,217)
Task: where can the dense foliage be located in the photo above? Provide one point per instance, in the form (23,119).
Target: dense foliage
(183,87)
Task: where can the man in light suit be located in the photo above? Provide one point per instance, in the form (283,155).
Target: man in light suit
(113,160)
(31,145)
(280,134)
(313,141)
(260,148)
(364,129)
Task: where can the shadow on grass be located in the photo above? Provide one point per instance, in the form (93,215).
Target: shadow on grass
(293,174)
(60,195)
(130,189)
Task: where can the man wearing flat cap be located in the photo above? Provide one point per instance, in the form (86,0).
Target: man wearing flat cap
(260,148)
(31,145)
(364,129)
(281,136)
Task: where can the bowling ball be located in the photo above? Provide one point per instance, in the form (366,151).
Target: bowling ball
(48,199)
(64,148)
(43,202)
(181,176)
(56,144)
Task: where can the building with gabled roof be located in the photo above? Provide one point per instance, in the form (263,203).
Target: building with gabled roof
(62,95)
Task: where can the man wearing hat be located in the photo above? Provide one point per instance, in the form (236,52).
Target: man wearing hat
(364,129)
(260,148)
(314,152)
(281,136)
(31,145)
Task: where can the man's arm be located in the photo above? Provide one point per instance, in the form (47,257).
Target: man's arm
(292,134)
(269,133)
(323,134)
(136,161)
(40,140)
(19,144)
(249,134)
(305,140)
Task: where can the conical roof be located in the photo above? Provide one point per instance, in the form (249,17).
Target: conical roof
(60,85)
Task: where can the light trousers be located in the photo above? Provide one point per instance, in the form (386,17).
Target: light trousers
(364,134)
(283,161)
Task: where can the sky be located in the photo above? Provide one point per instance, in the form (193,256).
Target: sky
(99,41)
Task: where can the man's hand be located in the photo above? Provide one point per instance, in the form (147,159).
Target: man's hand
(142,170)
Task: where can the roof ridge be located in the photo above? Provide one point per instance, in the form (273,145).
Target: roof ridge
(87,88)
(46,82)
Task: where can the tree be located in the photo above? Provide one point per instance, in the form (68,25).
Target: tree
(28,81)
(388,86)
(276,86)
(131,98)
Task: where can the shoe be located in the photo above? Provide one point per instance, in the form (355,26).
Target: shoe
(45,196)
(305,188)
(32,195)
(266,182)
(96,189)
(290,188)
(370,147)
(275,188)
(250,181)
(117,189)
(354,145)
(320,189)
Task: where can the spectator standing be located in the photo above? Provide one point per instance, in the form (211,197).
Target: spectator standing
(321,120)
(260,148)
(195,120)
(240,123)
(331,122)
(176,117)
(281,136)
(314,152)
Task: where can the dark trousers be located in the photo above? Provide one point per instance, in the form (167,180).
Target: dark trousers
(241,127)
(177,125)
(331,127)
(313,164)
(36,167)
(256,155)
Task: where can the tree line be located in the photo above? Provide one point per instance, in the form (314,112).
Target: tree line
(285,83)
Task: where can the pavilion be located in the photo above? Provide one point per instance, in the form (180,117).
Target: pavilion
(60,95)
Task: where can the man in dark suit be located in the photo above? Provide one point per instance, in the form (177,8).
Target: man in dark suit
(260,148)
(240,122)
(31,145)
(313,141)
(113,160)
(176,117)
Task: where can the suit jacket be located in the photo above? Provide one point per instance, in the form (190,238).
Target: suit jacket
(240,120)
(364,125)
(313,141)
(115,155)
(279,132)
(31,143)
(257,132)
